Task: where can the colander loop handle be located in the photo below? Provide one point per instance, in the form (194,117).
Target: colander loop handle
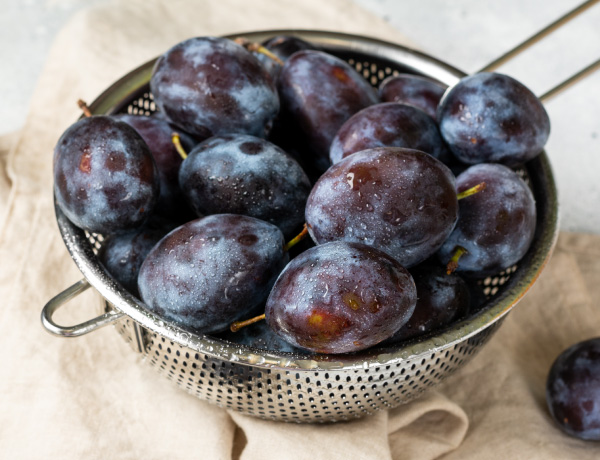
(78,329)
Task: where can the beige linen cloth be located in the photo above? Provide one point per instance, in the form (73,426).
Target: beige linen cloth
(93,398)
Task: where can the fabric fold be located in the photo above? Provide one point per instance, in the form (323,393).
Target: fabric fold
(364,438)
(434,424)
(424,429)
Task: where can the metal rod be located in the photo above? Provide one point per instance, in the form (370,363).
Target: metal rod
(570,81)
(538,36)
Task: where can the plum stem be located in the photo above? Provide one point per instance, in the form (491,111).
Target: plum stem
(294,241)
(459,251)
(471,191)
(84,108)
(257,48)
(177,143)
(236,326)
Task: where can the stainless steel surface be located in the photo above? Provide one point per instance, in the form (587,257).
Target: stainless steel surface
(538,36)
(572,80)
(314,388)
(79,329)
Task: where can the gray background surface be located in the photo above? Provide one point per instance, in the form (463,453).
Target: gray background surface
(465,33)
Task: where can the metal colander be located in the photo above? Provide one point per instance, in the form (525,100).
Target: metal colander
(304,388)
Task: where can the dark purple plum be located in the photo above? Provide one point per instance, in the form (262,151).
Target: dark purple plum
(573,390)
(398,200)
(287,136)
(212,86)
(496,226)
(241,174)
(442,298)
(340,297)
(282,46)
(492,118)
(259,335)
(123,254)
(105,179)
(389,124)
(156,132)
(422,92)
(212,271)
(319,92)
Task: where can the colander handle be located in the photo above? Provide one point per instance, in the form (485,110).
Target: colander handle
(79,329)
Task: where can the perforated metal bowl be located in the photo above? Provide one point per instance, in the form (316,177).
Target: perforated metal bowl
(304,388)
